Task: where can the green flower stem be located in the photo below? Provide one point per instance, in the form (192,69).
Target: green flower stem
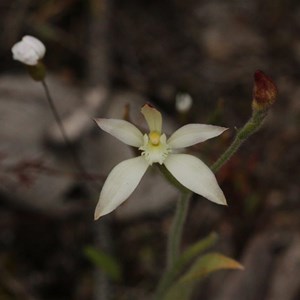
(175,236)
(174,241)
(242,135)
(182,261)
(58,120)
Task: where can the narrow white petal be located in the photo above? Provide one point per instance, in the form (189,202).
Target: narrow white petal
(119,185)
(192,173)
(192,134)
(153,118)
(122,130)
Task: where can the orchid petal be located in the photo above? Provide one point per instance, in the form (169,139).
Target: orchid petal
(153,118)
(192,173)
(120,184)
(38,47)
(192,134)
(122,130)
(29,50)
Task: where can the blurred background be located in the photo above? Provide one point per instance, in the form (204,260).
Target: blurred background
(105,59)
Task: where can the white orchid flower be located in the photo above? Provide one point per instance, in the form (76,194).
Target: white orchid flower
(189,170)
(29,50)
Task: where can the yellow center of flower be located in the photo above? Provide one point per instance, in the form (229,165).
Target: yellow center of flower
(155,148)
(154,137)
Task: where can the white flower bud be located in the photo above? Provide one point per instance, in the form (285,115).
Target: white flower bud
(29,50)
(183,102)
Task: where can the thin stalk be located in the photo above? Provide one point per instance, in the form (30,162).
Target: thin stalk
(174,241)
(58,120)
(235,145)
(175,235)
(243,134)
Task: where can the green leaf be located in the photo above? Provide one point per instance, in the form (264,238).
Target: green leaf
(185,258)
(194,250)
(104,261)
(205,265)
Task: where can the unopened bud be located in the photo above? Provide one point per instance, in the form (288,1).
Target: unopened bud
(264,91)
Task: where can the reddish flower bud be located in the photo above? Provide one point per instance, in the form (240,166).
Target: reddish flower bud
(264,91)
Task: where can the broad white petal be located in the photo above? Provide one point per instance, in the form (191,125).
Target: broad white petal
(192,173)
(38,47)
(122,130)
(29,50)
(119,185)
(153,118)
(192,134)
(24,53)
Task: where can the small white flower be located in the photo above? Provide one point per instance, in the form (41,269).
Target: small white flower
(29,50)
(183,103)
(190,171)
